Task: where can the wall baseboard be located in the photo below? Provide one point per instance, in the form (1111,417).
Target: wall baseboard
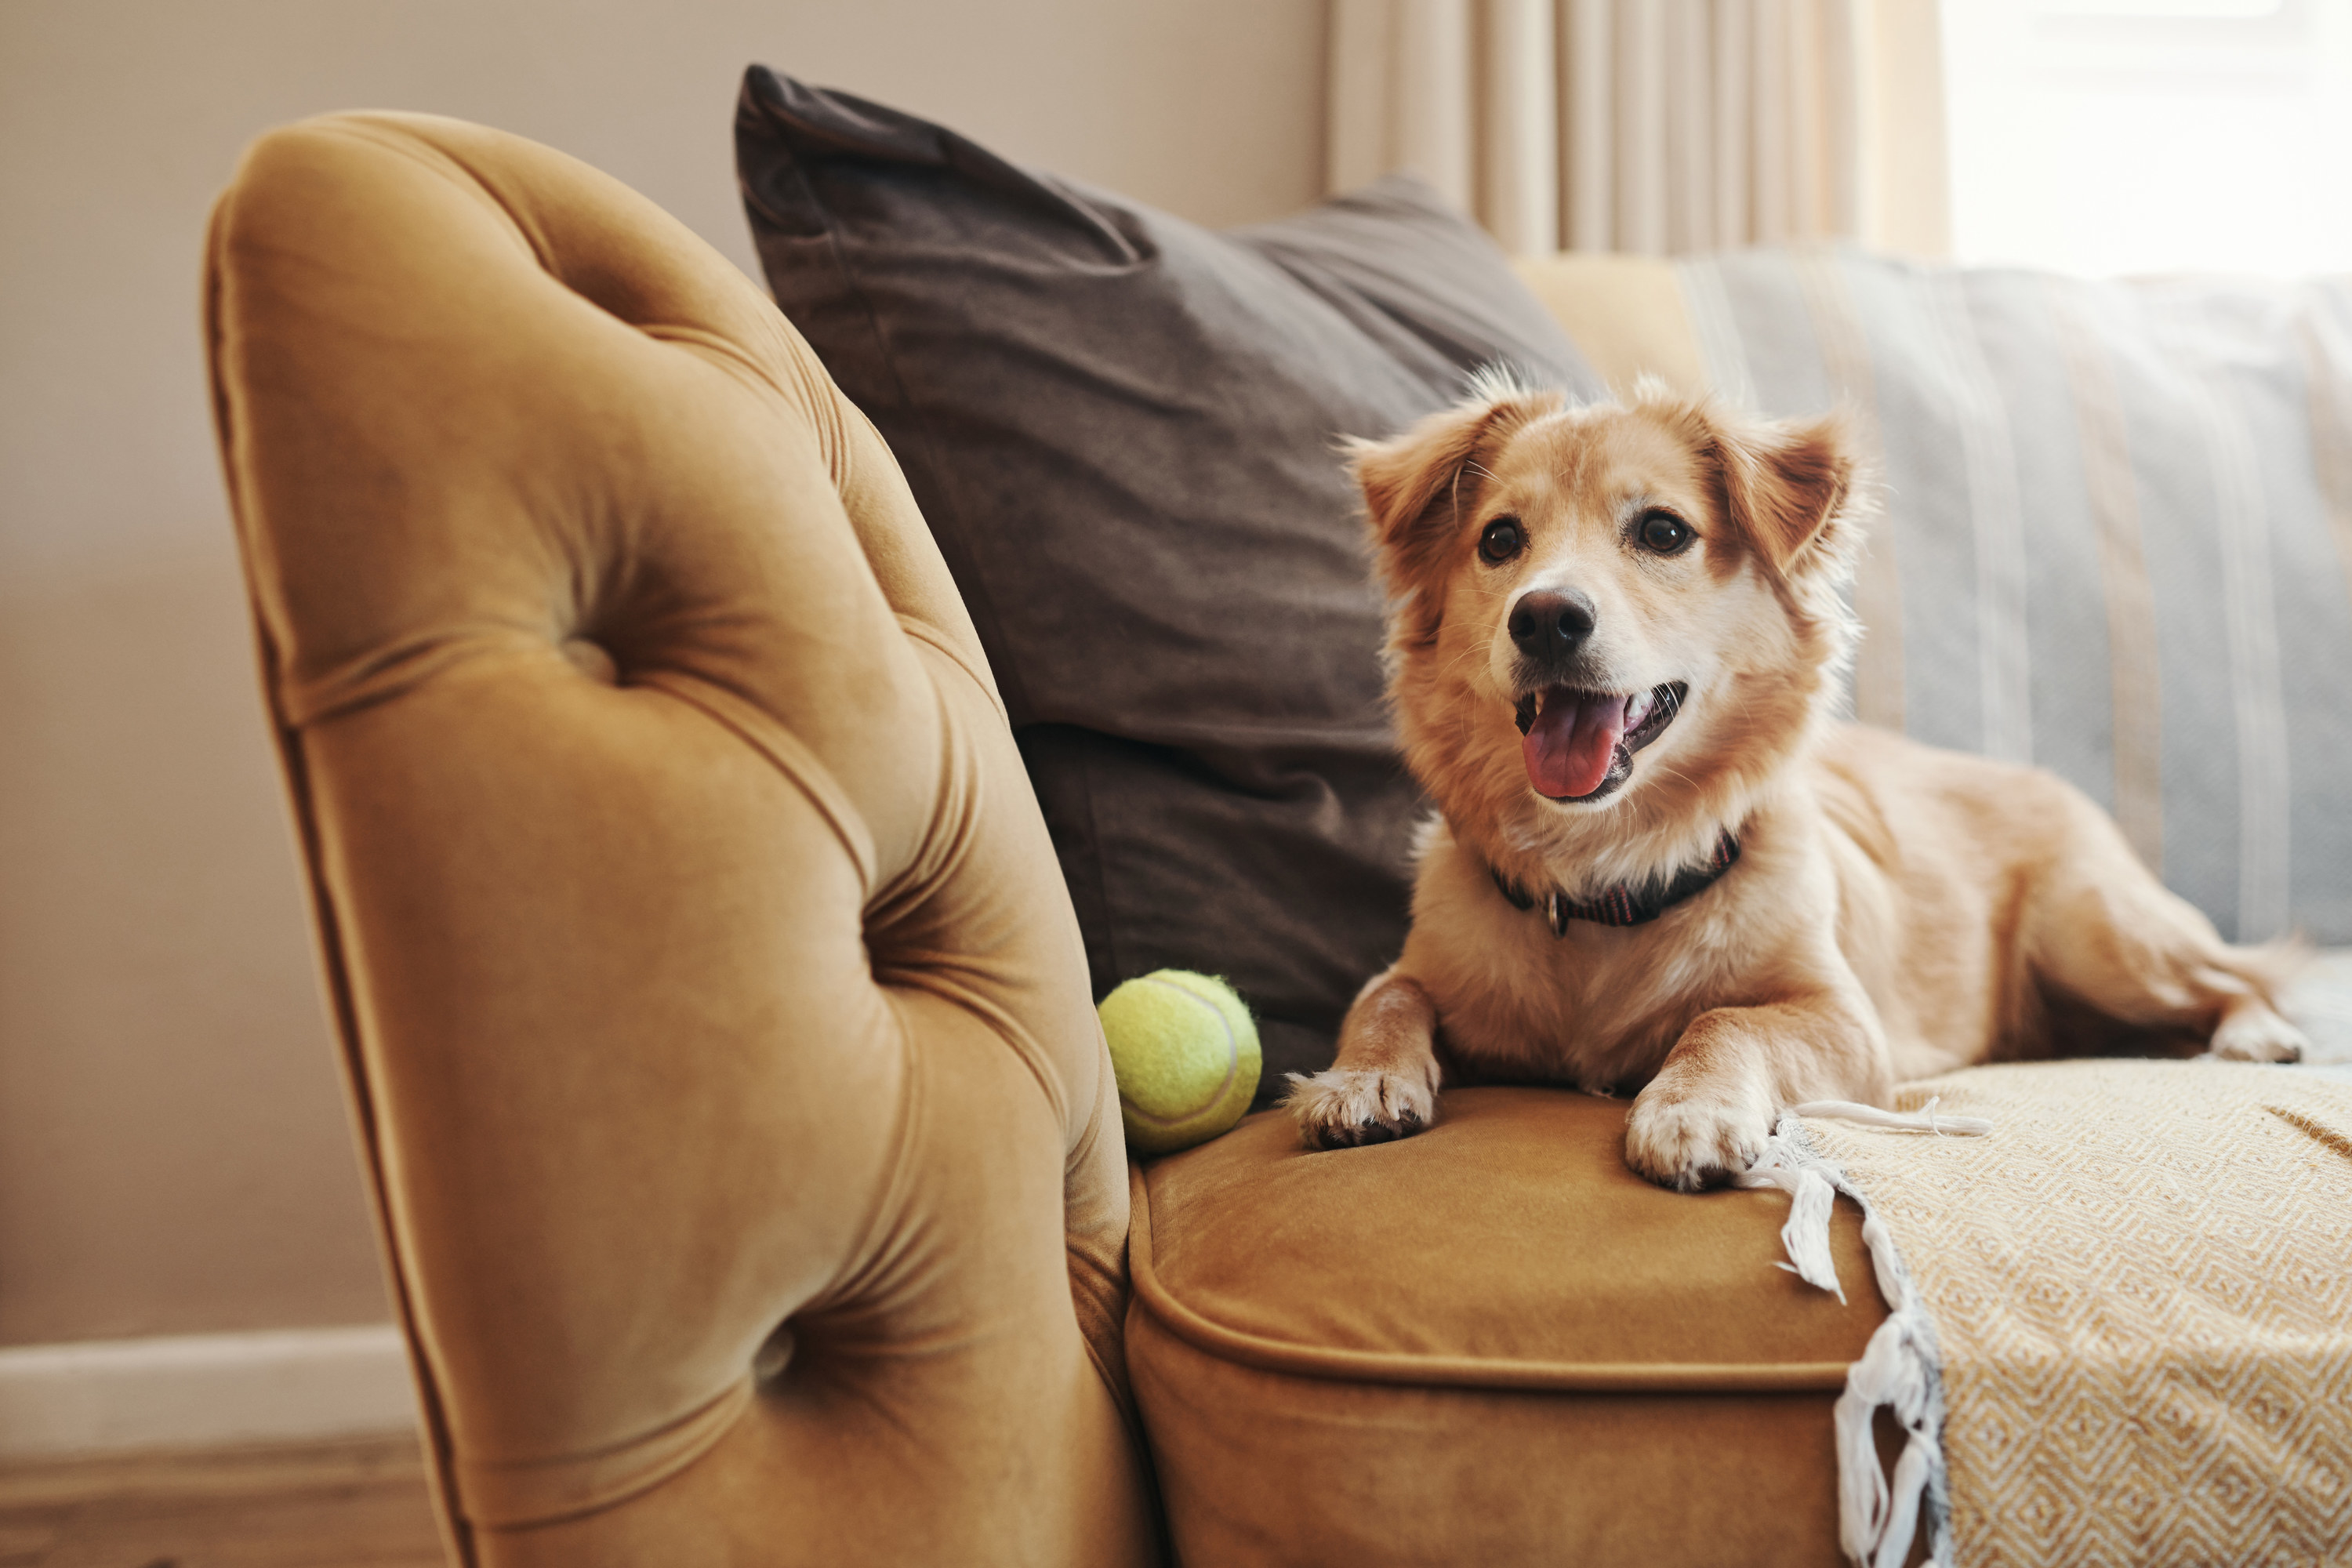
(200,1391)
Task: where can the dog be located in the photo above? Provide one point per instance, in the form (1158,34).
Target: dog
(1617,637)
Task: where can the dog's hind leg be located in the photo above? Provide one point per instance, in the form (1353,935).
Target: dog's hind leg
(1384,1084)
(2100,929)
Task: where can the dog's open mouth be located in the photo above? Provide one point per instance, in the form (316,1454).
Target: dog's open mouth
(1579,746)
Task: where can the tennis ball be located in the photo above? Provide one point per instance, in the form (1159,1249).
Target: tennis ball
(1186,1056)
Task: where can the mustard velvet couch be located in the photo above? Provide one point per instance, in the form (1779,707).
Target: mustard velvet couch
(719,1040)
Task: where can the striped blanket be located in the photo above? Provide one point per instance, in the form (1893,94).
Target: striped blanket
(2117,535)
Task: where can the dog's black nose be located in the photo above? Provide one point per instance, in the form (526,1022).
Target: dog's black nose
(1547,625)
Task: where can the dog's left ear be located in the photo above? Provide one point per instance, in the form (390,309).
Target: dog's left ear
(1785,485)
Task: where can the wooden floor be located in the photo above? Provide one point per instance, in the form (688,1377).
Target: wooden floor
(342,1505)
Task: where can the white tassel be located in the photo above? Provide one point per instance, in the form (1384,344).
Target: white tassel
(1864,1499)
(1910,1482)
(1892,1284)
(1924,1120)
(1898,1369)
(1805,1236)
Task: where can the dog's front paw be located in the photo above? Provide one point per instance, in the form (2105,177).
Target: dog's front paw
(2253,1032)
(1345,1107)
(1689,1140)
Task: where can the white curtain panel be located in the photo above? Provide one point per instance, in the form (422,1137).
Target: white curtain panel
(1651,126)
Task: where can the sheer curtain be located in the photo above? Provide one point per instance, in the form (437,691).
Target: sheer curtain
(1651,126)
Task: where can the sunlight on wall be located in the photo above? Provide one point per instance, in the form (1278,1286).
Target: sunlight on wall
(2106,136)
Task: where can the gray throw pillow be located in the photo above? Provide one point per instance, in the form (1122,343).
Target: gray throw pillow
(1121,428)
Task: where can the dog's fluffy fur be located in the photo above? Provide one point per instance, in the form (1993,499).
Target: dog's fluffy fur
(1895,911)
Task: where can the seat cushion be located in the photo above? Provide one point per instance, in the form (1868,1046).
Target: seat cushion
(1488,1343)
(1121,428)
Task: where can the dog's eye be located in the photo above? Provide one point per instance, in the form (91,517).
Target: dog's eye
(1662,532)
(1503,538)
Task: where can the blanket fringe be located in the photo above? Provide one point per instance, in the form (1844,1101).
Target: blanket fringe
(1899,1372)
(1923,1120)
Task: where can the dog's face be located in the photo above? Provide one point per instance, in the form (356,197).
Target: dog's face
(1601,606)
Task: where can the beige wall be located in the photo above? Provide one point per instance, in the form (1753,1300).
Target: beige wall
(173,1155)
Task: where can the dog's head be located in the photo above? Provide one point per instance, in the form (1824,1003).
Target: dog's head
(1622,610)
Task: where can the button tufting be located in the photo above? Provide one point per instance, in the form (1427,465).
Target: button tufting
(647,1103)
(592,660)
(768,1364)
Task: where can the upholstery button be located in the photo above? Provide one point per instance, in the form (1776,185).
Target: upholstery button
(773,1356)
(592,660)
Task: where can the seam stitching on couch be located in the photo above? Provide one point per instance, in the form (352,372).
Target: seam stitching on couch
(1474,1372)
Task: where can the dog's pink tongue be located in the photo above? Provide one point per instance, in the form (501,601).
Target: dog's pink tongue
(1570,744)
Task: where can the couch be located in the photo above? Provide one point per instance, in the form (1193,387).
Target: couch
(718,1032)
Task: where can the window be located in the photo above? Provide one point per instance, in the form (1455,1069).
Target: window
(2108,136)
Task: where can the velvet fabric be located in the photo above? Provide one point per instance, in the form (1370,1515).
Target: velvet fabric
(1491,1342)
(717,1027)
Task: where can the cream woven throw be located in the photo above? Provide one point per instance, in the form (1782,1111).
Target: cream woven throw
(2140,1287)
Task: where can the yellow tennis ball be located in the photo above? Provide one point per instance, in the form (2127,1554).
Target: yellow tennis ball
(1186,1055)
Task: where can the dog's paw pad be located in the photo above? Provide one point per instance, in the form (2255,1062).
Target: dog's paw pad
(1693,1143)
(1346,1109)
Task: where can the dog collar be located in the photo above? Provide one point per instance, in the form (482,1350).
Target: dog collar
(1627,904)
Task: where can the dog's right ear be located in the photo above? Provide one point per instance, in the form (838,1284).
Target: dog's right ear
(1420,487)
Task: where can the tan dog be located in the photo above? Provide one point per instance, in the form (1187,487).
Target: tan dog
(1615,646)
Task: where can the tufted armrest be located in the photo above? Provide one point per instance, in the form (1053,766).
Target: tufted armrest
(716,1029)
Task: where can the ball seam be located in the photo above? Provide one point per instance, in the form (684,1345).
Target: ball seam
(1233,1057)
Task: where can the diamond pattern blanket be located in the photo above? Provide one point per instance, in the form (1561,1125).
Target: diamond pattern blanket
(2141,1290)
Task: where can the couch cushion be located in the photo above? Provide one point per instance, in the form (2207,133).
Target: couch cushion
(1120,428)
(2117,538)
(1488,1343)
